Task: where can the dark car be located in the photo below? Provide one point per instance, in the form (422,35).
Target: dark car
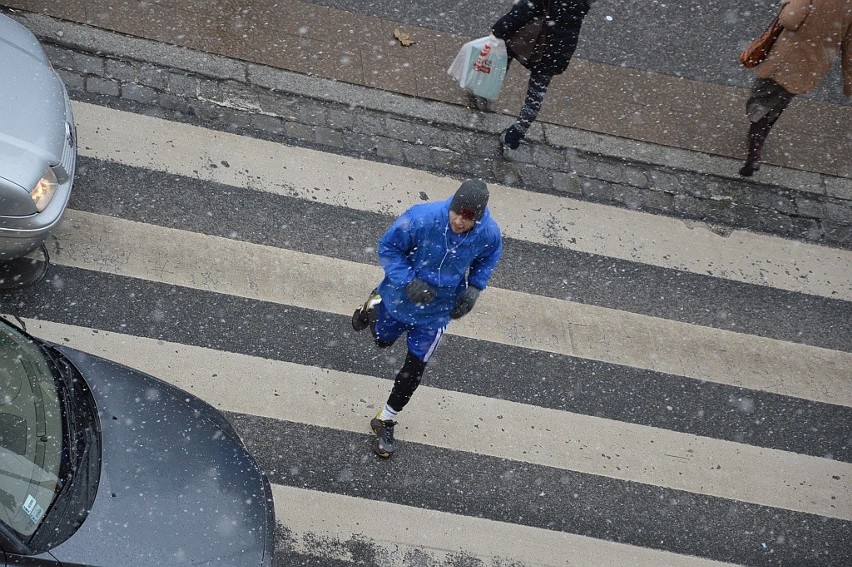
(103,465)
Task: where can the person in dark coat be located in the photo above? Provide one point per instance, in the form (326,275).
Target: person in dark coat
(816,33)
(563,19)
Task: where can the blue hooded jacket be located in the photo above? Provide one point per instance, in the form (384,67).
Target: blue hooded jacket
(420,243)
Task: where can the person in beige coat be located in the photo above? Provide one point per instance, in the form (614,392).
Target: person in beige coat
(815,33)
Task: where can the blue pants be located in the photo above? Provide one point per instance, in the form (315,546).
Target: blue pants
(421,341)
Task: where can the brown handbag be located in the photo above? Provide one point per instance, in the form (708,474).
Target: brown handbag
(759,49)
(529,43)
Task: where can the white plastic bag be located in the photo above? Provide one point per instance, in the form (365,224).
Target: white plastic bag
(480,67)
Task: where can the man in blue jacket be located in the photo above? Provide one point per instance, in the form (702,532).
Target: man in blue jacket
(437,258)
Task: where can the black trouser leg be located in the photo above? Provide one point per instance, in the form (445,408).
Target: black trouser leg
(536,90)
(757,134)
(767,101)
(406,382)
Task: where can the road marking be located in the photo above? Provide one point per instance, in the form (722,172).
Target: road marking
(510,430)
(398,533)
(230,159)
(176,257)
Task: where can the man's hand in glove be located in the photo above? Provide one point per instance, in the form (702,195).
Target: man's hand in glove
(465,302)
(419,291)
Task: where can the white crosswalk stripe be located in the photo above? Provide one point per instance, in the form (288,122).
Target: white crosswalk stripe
(265,166)
(445,535)
(644,457)
(269,274)
(582,443)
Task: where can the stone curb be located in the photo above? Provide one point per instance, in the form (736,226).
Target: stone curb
(447,138)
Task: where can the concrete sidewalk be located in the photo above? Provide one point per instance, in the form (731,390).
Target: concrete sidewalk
(318,41)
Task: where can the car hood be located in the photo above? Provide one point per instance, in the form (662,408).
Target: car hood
(176,486)
(32,107)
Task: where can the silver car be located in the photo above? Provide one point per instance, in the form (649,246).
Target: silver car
(38,152)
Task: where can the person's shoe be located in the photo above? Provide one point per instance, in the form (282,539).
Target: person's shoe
(749,168)
(479,103)
(511,138)
(361,317)
(383,444)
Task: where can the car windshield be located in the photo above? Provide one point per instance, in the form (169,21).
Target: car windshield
(31,432)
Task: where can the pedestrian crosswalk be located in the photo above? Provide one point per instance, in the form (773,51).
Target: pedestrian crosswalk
(505,317)
(631,389)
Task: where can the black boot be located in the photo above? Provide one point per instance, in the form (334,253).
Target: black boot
(750,166)
(511,137)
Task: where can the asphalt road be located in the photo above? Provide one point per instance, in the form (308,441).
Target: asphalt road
(605,401)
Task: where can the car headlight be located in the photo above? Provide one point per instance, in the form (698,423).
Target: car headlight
(43,192)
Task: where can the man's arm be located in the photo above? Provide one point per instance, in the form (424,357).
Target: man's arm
(393,249)
(478,276)
(521,13)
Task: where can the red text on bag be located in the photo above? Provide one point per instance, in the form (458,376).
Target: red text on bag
(483,63)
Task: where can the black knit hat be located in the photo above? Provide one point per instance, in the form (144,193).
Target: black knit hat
(470,200)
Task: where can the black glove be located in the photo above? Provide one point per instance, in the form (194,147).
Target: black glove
(419,291)
(465,302)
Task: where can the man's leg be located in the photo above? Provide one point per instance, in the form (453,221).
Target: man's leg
(384,328)
(407,380)
(536,89)
(361,317)
(421,344)
(373,314)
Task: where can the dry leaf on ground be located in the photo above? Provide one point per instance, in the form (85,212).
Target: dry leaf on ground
(404,38)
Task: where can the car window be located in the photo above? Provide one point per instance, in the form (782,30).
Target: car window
(31,432)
